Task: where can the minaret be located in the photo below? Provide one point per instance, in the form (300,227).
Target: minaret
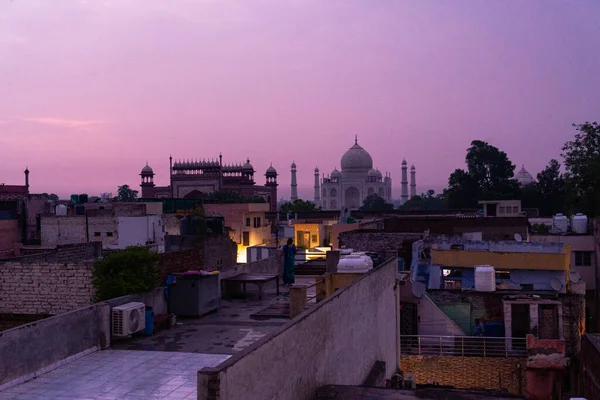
(404,196)
(294,185)
(413,182)
(317,188)
(27,178)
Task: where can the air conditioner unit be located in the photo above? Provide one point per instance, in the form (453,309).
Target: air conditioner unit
(128,319)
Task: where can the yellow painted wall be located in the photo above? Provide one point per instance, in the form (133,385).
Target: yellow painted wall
(535,261)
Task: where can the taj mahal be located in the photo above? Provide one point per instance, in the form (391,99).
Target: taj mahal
(358,179)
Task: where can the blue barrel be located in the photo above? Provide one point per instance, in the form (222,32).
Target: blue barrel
(149,328)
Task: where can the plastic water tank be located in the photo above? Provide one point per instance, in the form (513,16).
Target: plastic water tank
(560,223)
(61,210)
(579,223)
(485,278)
(355,264)
(83,198)
(75,198)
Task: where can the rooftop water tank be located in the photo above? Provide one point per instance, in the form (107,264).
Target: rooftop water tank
(83,198)
(560,224)
(61,210)
(79,209)
(579,223)
(485,278)
(75,198)
(355,264)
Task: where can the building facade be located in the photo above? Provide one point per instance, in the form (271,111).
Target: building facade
(356,181)
(192,179)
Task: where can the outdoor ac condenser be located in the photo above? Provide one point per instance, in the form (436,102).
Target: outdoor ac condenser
(128,319)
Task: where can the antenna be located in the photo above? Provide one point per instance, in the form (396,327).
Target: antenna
(555,284)
(574,276)
(518,237)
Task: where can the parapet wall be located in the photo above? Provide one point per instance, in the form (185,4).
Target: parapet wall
(335,342)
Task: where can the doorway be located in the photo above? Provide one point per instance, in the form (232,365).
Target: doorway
(521,323)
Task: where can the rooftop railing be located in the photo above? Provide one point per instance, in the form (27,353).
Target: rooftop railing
(463,346)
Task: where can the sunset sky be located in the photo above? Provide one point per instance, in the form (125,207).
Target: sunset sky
(92,89)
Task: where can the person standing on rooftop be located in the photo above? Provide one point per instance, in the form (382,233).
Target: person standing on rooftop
(289,255)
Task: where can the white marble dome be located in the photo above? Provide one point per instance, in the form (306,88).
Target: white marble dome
(356,159)
(523,177)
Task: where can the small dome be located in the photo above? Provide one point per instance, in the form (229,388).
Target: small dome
(271,170)
(293,164)
(336,174)
(248,166)
(316,169)
(412,167)
(404,162)
(374,173)
(147,170)
(523,177)
(357,158)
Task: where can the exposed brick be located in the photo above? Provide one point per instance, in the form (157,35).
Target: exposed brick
(468,372)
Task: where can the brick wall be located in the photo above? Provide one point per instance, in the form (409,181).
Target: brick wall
(468,372)
(44,288)
(9,321)
(100,227)
(219,252)
(180,261)
(68,253)
(9,234)
(380,242)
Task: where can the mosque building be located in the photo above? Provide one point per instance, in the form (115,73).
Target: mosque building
(355,182)
(190,179)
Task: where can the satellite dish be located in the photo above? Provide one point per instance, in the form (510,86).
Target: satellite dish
(555,284)
(574,276)
(418,289)
(518,237)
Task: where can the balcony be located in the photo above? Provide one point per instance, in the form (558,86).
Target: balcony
(463,346)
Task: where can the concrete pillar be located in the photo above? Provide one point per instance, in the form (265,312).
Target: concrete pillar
(297,300)
(332,260)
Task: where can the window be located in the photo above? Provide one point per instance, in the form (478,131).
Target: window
(333,193)
(96,233)
(257,222)
(501,210)
(502,274)
(583,258)
(313,239)
(247,221)
(109,234)
(246,239)
(324,192)
(515,210)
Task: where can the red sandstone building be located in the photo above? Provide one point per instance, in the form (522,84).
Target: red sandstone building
(192,179)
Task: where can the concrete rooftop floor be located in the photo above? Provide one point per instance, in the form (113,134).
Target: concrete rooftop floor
(226,331)
(165,365)
(334,392)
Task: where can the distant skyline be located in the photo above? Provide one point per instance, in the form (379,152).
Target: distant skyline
(92,89)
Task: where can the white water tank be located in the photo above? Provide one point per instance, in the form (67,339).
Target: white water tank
(355,264)
(560,224)
(579,223)
(61,210)
(485,278)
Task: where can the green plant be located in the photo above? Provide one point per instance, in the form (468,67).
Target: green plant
(133,270)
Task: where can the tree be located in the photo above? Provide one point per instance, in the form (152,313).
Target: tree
(582,165)
(552,189)
(125,193)
(297,206)
(425,201)
(374,202)
(133,270)
(489,175)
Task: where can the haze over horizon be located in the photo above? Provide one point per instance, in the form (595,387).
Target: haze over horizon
(92,89)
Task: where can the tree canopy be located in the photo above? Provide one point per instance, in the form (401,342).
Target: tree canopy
(374,202)
(133,270)
(582,165)
(425,201)
(126,194)
(489,175)
(297,206)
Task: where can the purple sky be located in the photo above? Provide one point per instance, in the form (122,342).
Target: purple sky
(91,90)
